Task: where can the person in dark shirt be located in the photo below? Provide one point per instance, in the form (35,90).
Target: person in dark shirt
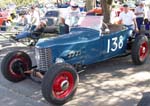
(33,33)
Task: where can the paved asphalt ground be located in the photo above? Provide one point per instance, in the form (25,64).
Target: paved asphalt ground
(116,82)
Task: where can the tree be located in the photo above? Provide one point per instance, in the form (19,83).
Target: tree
(23,2)
(4,3)
(106,8)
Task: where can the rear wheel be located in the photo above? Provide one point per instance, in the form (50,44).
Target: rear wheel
(14,64)
(59,83)
(140,50)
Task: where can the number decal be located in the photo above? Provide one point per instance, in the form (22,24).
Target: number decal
(114,44)
(108,47)
(114,40)
(120,42)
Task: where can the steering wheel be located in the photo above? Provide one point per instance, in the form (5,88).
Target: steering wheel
(105,28)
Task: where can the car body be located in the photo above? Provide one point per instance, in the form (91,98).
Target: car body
(21,10)
(51,17)
(85,44)
(59,59)
(3,17)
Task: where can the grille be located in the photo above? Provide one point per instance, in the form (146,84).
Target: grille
(43,58)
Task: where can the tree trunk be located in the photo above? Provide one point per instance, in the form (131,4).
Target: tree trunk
(106,7)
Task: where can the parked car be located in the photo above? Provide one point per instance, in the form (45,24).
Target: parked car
(3,17)
(52,17)
(95,11)
(22,10)
(60,59)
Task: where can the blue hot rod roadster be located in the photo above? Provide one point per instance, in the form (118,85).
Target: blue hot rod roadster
(59,59)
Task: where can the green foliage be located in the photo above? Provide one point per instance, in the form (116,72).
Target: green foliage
(23,2)
(4,3)
(17,2)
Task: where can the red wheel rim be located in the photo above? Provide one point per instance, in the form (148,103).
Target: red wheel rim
(143,51)
(63,84)
(25,66)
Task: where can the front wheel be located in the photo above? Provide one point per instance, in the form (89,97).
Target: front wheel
(14,64)
(59,83)
(140,50)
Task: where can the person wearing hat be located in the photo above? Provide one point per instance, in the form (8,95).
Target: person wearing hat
(34,17)
(128,18)
(72,15)
(34,33)
(139,12)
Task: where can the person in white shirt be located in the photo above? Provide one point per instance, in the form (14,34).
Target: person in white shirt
(128,18)
(35,18)
(71,17)
(148,14)
(113,15)
(22,20)
(147,20)
(139,12)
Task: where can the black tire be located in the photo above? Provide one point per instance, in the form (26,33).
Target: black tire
(59,92)
(14,64)
(145,100)
(140,50)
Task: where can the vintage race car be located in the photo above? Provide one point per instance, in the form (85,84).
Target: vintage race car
(60,59)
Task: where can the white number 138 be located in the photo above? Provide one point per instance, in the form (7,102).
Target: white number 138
(117,43)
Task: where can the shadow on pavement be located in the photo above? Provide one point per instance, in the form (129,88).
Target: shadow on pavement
(115,82)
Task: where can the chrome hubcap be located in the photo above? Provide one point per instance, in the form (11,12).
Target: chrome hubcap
(64,85)
(143,50)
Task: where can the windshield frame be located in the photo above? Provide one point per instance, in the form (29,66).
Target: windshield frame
(92,22)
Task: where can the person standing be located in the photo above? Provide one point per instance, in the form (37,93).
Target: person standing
(148,13)
(70,18)
(35,18)
(147,20)
(139,12)
(22,21)
(72,15)
(128,18)
(28,17)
